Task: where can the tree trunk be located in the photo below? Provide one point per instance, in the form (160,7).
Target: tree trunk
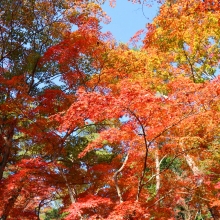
(70,191)
(215,212)
(157,162)
(115,177)
(196,171)
(5,153)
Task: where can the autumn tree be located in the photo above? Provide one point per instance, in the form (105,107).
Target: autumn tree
(158,99)
(125,133)
(30,92)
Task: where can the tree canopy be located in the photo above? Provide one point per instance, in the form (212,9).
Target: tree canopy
(95,129)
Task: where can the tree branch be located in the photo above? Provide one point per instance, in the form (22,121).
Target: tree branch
(115,177)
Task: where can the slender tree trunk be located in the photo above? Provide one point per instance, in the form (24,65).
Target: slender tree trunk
(5,153)
(70,191)
(192,165)
(157,163)
(215,211)
(196,171)
(116,179)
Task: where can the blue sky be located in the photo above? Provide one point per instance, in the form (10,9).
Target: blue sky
(127,18)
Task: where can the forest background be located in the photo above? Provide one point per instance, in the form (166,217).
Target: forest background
(92,128)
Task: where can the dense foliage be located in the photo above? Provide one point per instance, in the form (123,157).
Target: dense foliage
(93,129)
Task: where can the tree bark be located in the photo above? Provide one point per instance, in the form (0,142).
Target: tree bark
(215,212)
(70,191)
(5,153)
(116,179)
(157,163)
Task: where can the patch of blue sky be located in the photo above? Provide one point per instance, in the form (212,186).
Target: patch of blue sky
(128,18)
